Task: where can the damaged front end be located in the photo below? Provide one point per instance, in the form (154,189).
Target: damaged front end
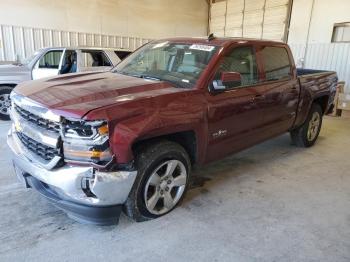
(68,161)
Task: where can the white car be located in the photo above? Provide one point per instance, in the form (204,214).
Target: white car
(53,61)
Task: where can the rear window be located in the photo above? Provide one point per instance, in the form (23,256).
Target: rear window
(276,63)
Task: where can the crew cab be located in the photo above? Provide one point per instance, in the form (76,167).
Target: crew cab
(98,143)
(54,61)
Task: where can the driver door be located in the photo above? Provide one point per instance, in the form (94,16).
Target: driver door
(234,113)
(48,65)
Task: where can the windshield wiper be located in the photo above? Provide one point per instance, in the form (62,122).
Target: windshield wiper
(139,76)
(175,83)
(150,77)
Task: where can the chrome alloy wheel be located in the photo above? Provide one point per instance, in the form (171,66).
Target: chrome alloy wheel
(165,186)
(5,104)
(314,126)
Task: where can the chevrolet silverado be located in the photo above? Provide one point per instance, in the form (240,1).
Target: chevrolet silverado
(97,144)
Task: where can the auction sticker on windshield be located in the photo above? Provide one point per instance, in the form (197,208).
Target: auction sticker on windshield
(207,48)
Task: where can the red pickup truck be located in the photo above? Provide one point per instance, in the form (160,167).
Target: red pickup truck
(99,143)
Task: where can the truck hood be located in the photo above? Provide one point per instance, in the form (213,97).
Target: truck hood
(75,95)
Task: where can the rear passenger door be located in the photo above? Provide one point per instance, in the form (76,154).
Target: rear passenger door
(282,90)
(94,60)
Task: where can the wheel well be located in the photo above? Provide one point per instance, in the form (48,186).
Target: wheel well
(323,102)
(186,139)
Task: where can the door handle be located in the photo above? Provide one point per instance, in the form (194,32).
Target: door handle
(258,97)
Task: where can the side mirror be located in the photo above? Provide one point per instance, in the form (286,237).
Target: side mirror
(227,79)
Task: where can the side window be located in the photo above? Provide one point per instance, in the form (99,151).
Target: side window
(241,60)
(51,59)
(94,58)
(276,63)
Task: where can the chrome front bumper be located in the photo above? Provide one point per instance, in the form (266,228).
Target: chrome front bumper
(108,188)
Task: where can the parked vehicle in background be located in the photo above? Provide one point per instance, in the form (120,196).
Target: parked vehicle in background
(97,143)
(52,61)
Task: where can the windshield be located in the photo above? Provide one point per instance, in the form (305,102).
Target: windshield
(180,64)
(29,59)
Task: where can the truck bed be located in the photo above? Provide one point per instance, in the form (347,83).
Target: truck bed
(304,71)
(317,83)
(322,79)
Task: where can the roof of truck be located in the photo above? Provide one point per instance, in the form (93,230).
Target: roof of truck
(219,41)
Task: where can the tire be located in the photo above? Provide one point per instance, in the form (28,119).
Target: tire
(158,157)
(307,134)
(5,102)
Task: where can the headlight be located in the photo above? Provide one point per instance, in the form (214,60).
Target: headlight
(85,129)
(86,141)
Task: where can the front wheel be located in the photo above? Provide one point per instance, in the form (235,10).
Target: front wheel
(163,176)
(5,102)
(307,134)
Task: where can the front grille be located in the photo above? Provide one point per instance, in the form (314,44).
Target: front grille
(44,151)
(37,120)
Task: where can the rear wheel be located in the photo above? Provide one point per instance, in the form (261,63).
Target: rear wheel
(5,102)
(307,134)
(163,177)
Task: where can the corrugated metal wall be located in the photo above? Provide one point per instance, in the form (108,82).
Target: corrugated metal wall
(332,56)
(18,42)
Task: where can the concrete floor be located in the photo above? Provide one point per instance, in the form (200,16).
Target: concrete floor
(273,202)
